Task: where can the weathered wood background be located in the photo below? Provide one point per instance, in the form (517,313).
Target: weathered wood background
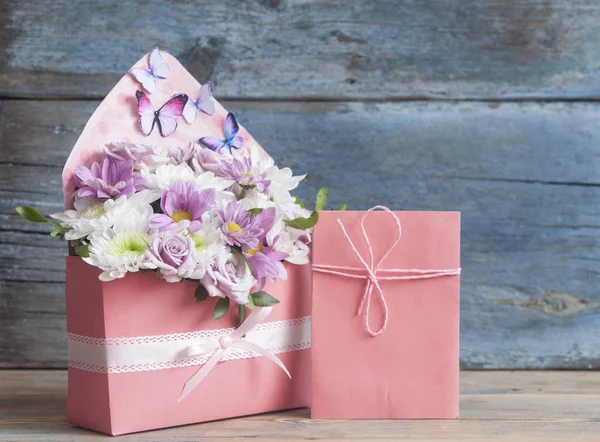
(483,106)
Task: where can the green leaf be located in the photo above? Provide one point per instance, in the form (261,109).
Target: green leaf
(254,212)
(250,303)
(342,207)
(304,223)
(263,299)
(30,214)
(82,250)
(201,294)
(242,313)
(58,229)
(221,308)
(299,201)
(322,198)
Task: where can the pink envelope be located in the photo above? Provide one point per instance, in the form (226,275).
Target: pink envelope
(409,370)
(116,119)
(131,315)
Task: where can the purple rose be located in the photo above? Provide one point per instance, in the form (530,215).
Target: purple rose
(183,154)
(206,160)
(229,277)
(173,255)
(143,156)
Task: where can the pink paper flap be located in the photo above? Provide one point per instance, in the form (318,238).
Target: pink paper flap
(116,119)
(430,240)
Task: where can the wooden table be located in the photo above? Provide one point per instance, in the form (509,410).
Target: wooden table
(495,405)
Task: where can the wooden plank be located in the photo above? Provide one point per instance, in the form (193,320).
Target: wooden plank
(472,383)
(526,177)
(309,49)
(32,320)
(491,382)
(562,408)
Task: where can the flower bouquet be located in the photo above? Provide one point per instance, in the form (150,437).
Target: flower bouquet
(174,214)
(224,223)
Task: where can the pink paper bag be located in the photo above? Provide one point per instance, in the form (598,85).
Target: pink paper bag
(397,356)
(143,312)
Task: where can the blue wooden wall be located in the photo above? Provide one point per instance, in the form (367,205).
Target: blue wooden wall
(488,107)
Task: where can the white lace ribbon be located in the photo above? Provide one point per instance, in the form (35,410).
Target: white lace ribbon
(144,353)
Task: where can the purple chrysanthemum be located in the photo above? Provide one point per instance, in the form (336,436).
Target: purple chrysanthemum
(240,170)
(182,201)
(244,230)
(266,263)
(111,179)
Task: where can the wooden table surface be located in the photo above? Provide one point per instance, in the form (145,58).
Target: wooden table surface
(494,405)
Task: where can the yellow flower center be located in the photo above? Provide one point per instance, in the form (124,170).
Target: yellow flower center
(247,174)
(253,252)
(233,227)
(181,215)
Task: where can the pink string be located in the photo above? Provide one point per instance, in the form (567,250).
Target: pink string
(373,269)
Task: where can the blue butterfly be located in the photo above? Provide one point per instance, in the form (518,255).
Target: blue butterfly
(231,141)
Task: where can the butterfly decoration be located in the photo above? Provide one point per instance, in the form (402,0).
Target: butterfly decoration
(232,140)
(158,69)
(204,103)
(165,117)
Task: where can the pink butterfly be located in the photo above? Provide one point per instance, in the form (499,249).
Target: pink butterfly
(204,103)
(158,69)
(165,117)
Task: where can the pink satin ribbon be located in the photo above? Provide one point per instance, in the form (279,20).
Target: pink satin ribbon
(219,346)
(373,269)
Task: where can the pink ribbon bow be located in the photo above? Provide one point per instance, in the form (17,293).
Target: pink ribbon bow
(220,345)
(373,269)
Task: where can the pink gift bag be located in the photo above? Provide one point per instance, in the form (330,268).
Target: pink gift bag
(142,353)
(129,360)
(385,315)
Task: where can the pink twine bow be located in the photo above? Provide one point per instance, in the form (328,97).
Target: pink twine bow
(373,269)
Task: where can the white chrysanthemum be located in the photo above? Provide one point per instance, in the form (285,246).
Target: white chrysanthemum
(165,175)
(208,180)
(296,249)
(140,201)
(210,243)
(282,180)
(255,199)
(162,178)
(121,249)
(89,216)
